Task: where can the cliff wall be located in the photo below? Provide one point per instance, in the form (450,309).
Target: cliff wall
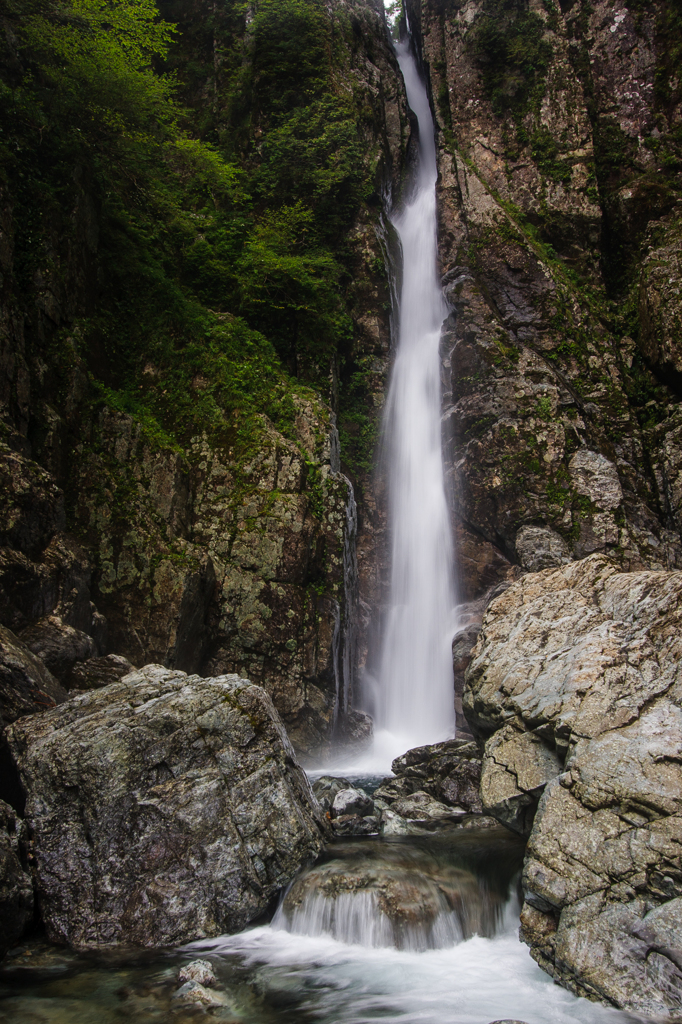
(560,189)
(194,303)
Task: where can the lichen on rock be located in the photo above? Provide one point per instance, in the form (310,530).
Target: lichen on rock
(163,808)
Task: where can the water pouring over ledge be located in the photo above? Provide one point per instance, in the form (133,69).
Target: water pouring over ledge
(413,698)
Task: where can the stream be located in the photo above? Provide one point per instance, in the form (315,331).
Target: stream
(313,965)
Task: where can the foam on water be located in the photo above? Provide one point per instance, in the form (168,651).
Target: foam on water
(471,982)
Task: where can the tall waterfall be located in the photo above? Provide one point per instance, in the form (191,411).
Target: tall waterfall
(414,698)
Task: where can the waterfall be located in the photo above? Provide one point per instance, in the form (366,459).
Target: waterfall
(414,699)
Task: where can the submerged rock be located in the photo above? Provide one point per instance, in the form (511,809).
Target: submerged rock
(200,971)
(163,808)
(392,895)
(194,992)
(577,682)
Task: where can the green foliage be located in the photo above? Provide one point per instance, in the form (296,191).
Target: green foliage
(94,56)
(290,58)
(220,260)
(358,422)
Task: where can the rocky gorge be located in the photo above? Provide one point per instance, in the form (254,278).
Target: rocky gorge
(198,322)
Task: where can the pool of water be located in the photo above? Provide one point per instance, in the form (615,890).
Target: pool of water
(271,974)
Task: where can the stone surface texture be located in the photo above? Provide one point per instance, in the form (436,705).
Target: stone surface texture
(16,886)
(576,686)
(163,808)
(449,772)
(558,214)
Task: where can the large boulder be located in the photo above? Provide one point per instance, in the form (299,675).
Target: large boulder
(449,771)
(26,685)
(163,808)
(59,646)
(576,682)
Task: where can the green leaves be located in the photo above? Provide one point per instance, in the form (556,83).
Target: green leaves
(96,56)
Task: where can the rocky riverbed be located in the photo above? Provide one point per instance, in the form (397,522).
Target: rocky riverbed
(287,973)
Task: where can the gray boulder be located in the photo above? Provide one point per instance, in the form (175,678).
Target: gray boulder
(163,808)
(576,682)
(58,645)
(351,801)
(16,888)
(98,672)
(325,789)
(356,825)
(26,685)
(423,808)
(449,771)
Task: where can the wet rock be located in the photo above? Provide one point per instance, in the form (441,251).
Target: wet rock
(193,992)
(577,683)
(356,729)
(480,821)
(26,685)
(16,887)
(351,801)
(423,808)
(97,672)
(391,895)
(394,789)
(449,772)
(164,808)
(326,787)
(539,547)
(356,825)
(58,645)
(200,971)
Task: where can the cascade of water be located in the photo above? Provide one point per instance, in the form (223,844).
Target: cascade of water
(414,698)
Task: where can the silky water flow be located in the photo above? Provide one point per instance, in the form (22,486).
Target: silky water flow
(413,699)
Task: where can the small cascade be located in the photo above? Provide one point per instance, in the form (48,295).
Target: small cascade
(393,897)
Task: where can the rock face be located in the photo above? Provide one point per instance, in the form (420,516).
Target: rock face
(230,548)
(16,887)
(163,808)
(450,772)
(26,685)
(576,683)
(559,234)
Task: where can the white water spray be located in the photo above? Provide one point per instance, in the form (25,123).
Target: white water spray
(414,699)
